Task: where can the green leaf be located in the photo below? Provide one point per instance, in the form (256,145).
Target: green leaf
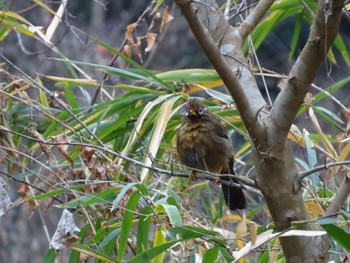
(211,255)
(173,214)
(339,235)
(71,98)
(340,45)
(140,187)
(146,256)
(143,227)
(226,254)
(159,239)
(50,256)
(96,254)
(159,127)
(127,223)
(295,37)
(189,232)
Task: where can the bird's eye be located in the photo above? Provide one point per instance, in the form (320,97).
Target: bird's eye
(201,111)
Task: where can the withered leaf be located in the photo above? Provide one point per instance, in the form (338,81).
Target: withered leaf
(151,38)
(65,235)
(32,130)
(129,30)
(167,17)
(5,201)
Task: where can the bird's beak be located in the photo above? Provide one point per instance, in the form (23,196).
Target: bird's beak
(193,113)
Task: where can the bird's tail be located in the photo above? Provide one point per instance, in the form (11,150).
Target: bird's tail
(233,195)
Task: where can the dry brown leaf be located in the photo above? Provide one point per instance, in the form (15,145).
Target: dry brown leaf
(5,201)
(137,48)
(127,50)
(32,130)
(151,38)
(88,152)
(314,209)
(309,99)
(253,232)
(155,20)
(241,231)
(346,114)
(167,17)
(281,83)
(63,145)
(23,191)
(65,233)
(129,30)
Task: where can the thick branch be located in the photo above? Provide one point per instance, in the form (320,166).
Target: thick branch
(323,32)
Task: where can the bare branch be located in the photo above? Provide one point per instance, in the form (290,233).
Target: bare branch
(300,176)
(200,173)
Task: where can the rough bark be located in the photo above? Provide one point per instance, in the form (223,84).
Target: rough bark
(268,129)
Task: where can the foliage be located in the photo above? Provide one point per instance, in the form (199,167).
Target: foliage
(98,160)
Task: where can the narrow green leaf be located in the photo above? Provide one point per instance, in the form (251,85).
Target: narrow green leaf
(193,75)
(71,98)
(328,117)
(127,223)
(143,227)
(188,232)
(136,131)
(158,130)
(50,256)
(140,187)
(311,159)
(226,254)
(295,37)
(146,256)
(321,95)
(94,253)
(340,45)
(339,235)
(159,239)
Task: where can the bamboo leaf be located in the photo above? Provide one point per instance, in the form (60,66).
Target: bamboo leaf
(159,127)
(127,223)
(159,239)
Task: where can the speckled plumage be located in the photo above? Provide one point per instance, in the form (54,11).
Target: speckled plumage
(202,143)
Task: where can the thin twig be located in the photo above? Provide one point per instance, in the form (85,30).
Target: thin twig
(200,173)
(299,177)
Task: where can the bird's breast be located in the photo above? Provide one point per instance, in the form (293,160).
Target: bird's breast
(198,146)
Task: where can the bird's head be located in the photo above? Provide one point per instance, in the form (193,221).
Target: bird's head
(194,109)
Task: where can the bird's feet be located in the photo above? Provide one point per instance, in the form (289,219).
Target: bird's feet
(217,180)
(193,176)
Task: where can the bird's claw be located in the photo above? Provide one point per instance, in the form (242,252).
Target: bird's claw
(216,180)
(193,176)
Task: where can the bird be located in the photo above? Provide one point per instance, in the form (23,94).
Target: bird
(203,144)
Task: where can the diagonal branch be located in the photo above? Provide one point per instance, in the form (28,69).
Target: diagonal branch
(323,32)
(254,17)
(300,176)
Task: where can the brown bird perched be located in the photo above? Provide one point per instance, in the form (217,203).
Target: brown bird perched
(202,143)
